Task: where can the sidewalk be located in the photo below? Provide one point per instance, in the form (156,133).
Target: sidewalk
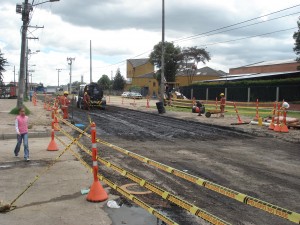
(55,198)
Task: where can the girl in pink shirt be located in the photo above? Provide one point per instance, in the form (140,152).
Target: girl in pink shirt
(21,125)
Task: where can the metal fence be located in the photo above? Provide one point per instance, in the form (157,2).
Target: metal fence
(244,94)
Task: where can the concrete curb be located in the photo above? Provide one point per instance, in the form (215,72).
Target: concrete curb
(30,135)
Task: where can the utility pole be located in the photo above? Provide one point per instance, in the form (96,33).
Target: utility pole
(58,71)
(162,81)
(15,75)
(25,10)
(91,72)
(70,60)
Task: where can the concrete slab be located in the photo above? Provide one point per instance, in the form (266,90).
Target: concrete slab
(55,198)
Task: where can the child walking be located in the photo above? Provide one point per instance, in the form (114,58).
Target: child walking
(21,125)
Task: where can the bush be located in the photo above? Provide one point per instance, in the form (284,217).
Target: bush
(15,111)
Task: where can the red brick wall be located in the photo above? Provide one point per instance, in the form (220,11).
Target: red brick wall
(265,69)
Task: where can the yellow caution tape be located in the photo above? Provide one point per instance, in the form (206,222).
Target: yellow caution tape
(155,189)
(123,192)
(246,199)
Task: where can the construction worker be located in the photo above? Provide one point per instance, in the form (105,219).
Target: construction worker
(65,102)
(222,104)
(86,101)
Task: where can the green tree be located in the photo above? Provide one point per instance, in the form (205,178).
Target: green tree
(191,57)
(104,82)
(296,37)
(76,85)
(172,60)
(118,82)
(3,63)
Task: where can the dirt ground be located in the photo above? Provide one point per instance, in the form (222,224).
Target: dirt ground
(260,165)
(248,159)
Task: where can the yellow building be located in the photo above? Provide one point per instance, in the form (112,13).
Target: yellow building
(140,72)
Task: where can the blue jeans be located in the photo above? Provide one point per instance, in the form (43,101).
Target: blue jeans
(18,146)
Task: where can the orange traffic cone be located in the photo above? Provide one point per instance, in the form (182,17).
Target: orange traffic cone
(52,145)
(56,126)
(272,126)
(148,105)
(284,127)
(257,114)
(97,192)
(237,114)
(277,127)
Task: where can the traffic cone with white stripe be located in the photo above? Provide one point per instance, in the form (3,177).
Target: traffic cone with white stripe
(97,192)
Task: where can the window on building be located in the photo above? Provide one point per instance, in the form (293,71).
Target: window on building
(154,84)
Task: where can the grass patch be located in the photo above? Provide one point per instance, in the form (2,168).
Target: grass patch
(15,111)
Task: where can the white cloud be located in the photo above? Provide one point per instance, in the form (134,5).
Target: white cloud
(120,30)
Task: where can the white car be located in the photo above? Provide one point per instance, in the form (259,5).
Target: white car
(136,95)
(125,94)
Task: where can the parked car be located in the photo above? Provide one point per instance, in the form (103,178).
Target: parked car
(136,95)
(125,94)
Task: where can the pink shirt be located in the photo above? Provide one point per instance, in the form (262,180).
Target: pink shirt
(21,124)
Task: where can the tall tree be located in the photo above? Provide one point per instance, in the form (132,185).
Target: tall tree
(172,59)
(191,57)
(3,63)
(76,85)
(119,81)
(296,37)
(104,82)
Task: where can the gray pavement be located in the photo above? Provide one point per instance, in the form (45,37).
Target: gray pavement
(55,198)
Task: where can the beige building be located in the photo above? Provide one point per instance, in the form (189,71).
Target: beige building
(140,72)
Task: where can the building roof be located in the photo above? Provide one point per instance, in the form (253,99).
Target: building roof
(254,76)
(269,63)
(204,71)
(138,62)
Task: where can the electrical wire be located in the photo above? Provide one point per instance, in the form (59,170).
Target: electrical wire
(252,24)
(245,21)
(239,39)
(208,33)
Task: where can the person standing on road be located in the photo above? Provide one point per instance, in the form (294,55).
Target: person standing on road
(21,125)
(65,102)
(222,104)
(86,101)
(30,95)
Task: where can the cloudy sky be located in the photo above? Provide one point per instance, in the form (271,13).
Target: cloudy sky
(122,29)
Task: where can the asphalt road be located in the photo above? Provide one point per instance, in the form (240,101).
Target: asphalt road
(262,167)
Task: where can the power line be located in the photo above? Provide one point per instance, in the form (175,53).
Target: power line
(252,24)
(259,35)
(245,21)
(208,33)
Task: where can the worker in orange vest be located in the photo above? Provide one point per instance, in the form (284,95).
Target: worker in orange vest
(86,101)
(65,102)
(222,104)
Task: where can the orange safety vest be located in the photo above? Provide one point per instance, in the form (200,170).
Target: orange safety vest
(65,102)
(222,101)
